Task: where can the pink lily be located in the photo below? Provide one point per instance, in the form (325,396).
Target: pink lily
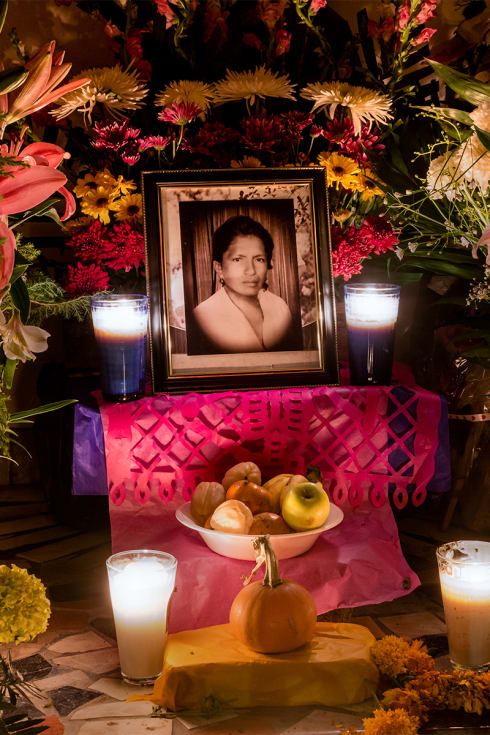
(7,255)
(483,242)
(30,185)
(46,71)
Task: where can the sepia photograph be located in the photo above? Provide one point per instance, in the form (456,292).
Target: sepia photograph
(239,279)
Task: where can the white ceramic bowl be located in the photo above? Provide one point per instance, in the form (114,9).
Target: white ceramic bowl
(240,546)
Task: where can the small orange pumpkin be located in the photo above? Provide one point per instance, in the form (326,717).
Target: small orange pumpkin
(258,499)
(275,615)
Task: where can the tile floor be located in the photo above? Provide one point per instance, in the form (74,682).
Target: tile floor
(74,664)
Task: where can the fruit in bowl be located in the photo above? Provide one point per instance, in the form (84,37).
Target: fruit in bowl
(305,506)
(257,498)
(232,516)
(205,499)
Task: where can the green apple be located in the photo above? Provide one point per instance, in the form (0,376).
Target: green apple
(305,507)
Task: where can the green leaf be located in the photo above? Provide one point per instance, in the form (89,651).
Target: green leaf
(53,214)
(451,113)
(405,279)
(21,415)
(17,272)
(3,12)
(38,211)
(12,78)
(443,268)
(8,372)
(484,137)
(468,88)
(20,298)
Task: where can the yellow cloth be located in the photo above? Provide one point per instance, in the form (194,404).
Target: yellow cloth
(208,664)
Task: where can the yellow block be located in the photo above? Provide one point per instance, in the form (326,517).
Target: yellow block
(210,665)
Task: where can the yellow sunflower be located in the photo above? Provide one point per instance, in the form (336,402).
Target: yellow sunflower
(247,162)
(124,186)
(99,203)
(129,208)
(340,170)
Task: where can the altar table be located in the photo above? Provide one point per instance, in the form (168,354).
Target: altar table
(370,444)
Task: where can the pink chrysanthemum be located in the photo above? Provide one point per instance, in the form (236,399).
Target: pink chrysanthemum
(262,132)
(114,136)
(159,142)
(125,248)
(341,133)
(180,113)
(85,279)
(89,244)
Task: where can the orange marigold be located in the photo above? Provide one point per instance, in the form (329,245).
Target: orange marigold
(388,722)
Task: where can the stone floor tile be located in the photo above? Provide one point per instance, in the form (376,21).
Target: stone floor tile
(413,625)
(193,721)
(130,726)
(112,709)
(33,667)
(79,643)
(73,678)
(323,723)
(95,662)
(117,688)
(21,650)
(68,698)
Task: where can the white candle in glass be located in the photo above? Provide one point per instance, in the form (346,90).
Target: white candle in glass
(141,584)
(464,571)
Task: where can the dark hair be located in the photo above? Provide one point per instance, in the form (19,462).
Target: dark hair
(240,225)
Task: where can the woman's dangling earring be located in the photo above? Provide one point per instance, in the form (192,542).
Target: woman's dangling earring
(265,286)
(222,281)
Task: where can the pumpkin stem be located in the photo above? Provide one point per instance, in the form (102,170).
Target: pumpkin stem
(271,577)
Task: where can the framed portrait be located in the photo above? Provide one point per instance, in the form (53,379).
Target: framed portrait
(239,279)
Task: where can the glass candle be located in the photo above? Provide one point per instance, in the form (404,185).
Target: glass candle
(120,325)
(464,572)
(141,584)
(371,311)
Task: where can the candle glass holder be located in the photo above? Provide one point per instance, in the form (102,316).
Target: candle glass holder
(141,583)
(464,573)
(120,325)
(371,311)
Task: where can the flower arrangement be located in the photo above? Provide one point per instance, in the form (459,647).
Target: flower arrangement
(420,689)
(29,177)
(24,613)
(263,109)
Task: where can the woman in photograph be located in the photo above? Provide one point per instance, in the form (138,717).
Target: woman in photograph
(242,315)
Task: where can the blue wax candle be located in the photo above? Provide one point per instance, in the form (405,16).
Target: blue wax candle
(371,311)
(120,325)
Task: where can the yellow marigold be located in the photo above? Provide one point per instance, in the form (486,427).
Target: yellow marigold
(389,722)
(98,203)
(390,655)
(129,208)
(407,699)
(24,607)
(340,170)
(418,659)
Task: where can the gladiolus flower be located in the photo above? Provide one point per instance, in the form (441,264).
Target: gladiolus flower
(7,255)
(28,186)
(46,71)
(20,342)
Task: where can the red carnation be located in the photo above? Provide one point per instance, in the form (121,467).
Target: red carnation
(85,279)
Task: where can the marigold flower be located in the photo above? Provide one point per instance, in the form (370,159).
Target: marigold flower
(389,722)
(247,162)
(25,607)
